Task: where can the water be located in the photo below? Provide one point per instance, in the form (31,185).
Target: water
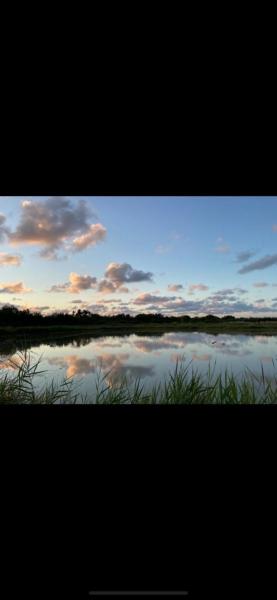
(149,358)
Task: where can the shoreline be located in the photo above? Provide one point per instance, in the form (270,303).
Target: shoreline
(260,328)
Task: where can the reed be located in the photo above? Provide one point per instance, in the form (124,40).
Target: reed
(182,386)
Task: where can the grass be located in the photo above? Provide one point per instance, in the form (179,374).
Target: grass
(98,330)
(20,389)
(182,386)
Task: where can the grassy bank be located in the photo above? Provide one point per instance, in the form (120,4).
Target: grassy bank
(181,387)
(45,332)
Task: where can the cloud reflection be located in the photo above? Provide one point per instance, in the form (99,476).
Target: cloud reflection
(74,365)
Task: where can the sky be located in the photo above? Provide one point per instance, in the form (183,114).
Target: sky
(174,255)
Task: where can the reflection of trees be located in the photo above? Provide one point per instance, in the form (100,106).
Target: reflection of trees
(11,346)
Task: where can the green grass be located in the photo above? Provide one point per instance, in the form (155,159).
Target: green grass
(182,386)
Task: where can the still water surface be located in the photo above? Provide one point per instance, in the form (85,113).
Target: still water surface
(149,358)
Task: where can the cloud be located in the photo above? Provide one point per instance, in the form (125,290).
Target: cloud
(244,256)
(76,284)
(175,287)
(182,306)
(14,288)
(81,282)
(262,263)
(96,233)
(260,284)
(106,287)
(56,223)
(230,291)
(150,299)
(117,274)
(274,227)
(197,287)
(123,273)
(10,259)
(216,304)
(222,297)
(50,254)
(60,287)
(226,291)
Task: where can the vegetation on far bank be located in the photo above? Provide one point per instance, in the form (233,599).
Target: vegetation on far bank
(181,386)
(14,321)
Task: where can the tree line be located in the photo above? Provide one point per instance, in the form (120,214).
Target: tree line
(13,316)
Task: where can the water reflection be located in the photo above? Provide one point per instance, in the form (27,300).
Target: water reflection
(149,357)
(267,359)
(114,364)
(204,357)
(73,364)
(12,363)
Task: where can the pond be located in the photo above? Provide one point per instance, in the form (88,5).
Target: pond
(150,358)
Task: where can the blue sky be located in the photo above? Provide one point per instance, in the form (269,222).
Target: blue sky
(120,254)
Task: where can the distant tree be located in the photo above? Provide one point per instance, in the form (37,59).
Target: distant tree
(211,318)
